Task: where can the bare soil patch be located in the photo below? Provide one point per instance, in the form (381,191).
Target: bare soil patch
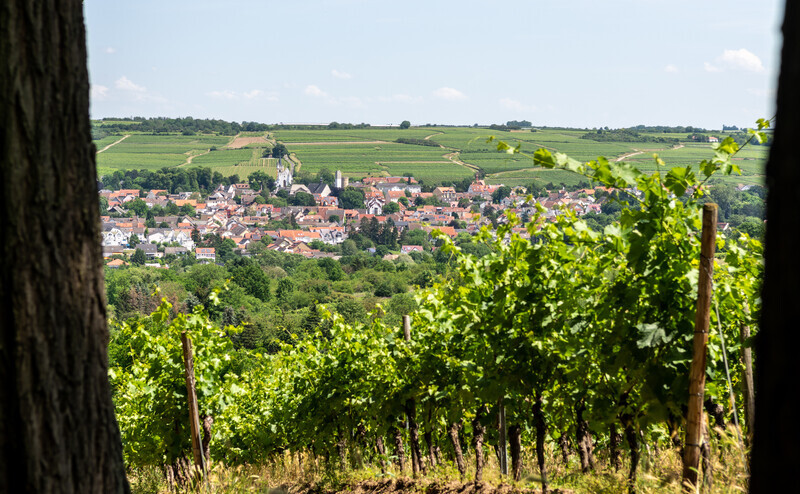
(239,142)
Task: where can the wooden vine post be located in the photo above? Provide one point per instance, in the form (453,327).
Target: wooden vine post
(194,417)
(697,371)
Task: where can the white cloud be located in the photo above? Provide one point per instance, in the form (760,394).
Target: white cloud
(98,92)
(128,85)
(312,90)
(255,93)
(110,50)
(449,94)
(743,60)
(671,69)
(135,92)
(340,75)
(740,59)
(515,105)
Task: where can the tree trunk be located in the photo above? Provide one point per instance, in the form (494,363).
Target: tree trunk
(776,435)
(515,445)
(633,443)
(341,448)
(381,452)
(478,430)
(563,443)
(541,430)
(615,441)
(398,448)
(429,442)
(417,464)
(208,421)
(584,438)
(453,433)
(58,432)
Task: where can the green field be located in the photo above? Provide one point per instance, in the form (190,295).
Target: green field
(382,159)
(354,153)
(376,134)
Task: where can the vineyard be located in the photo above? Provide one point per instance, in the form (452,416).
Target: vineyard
(571,341)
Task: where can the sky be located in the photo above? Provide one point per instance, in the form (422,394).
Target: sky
(577,63)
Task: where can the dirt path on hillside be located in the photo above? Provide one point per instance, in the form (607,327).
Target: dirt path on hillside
(190,158)
(426,138)
(628,155)
(114,143)
(453,157)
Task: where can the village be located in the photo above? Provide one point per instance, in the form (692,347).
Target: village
(238,212)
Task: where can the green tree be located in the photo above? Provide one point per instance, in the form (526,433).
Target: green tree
(139,257)
(501,193)
(351,198)
(349,248)
(250,276)
(405,124)
(285,288)
(303,199)
(391,208)
(138,206)
(279,151)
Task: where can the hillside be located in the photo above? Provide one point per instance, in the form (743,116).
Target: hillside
(431,154)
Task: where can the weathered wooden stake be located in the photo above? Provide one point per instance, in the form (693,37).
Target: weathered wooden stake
(407,327)
(697,372)
(194,417)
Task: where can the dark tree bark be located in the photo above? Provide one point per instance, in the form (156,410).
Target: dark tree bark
(632,437)
(399,450)
(429,440)
(58,432)
(776,435)
(615,441)
(563,443)
(478,431)
(381,449)
(208,421)
(453,433)
(417,465)
(515,445)
(584,439)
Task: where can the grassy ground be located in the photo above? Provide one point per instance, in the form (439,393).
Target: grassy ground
(659,472)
